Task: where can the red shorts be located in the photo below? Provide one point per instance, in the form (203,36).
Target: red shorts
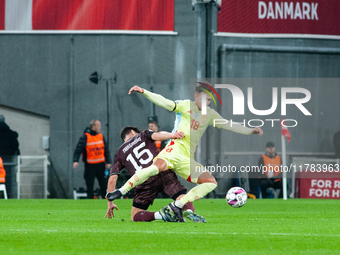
(166,182)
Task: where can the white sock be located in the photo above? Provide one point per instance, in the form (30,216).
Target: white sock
(158,216)
(123,191)
(178,203)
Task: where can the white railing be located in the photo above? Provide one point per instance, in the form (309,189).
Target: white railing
(32,176)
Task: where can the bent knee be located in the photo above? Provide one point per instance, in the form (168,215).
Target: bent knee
(161,164)
(206,178)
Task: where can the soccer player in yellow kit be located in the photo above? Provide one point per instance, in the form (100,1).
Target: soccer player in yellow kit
(179,153)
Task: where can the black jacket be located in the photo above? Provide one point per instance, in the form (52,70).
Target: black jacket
(81,148)
(9,144)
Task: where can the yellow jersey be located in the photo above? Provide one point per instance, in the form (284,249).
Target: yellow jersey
(191,122)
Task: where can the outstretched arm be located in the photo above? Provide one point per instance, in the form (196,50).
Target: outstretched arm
(238,128)
(155,98)
(161,136)
(218,121)
(110,205)
(79,149)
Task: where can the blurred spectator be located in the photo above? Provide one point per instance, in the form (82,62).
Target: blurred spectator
(9,149)
(2,172)
(96,156)
(153,125)
(336,141)
(2,176)
(270,175)
(9,145)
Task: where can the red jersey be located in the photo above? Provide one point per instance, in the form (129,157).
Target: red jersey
(135,154)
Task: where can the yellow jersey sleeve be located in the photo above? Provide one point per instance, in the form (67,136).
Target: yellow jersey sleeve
(218,121)
(159,100)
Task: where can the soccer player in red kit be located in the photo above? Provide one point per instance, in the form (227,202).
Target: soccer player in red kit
(137,152)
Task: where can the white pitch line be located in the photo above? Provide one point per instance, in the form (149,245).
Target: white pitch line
(215,233)
(186,233)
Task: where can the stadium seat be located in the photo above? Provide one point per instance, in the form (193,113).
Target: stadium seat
(275,192)
(271,192)
(3,189)
(79,193)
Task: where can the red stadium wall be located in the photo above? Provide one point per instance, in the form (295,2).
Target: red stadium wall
(2,14)
(280,17)
(317,185)
(97,15)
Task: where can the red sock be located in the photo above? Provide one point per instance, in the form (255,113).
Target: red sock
(144,216)
(189,206)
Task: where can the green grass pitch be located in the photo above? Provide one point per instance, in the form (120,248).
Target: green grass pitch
(270,226)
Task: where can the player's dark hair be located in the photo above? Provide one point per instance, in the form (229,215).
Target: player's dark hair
(202,85)
(126,130)
(154,122)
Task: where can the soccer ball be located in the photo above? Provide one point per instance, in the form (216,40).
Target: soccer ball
(236,197)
